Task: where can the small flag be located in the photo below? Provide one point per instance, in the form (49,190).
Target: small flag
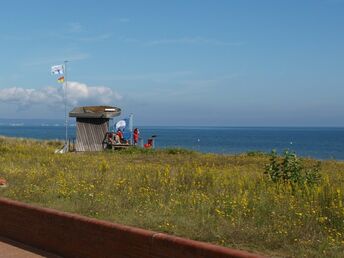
(57,69)
(61,79)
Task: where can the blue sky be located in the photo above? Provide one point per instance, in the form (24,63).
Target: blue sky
(229,63)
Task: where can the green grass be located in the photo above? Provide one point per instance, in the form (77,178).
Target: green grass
(220,199)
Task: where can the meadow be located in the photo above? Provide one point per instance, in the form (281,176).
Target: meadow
(222,199)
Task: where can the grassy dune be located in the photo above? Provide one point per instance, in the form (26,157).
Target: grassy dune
(221,199)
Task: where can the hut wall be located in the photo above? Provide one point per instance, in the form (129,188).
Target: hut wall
(90,133)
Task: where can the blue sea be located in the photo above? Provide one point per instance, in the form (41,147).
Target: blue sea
(316,142)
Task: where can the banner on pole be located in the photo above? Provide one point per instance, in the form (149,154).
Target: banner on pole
(57,69)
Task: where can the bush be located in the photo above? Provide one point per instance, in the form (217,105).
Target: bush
(255,153)
(289,169)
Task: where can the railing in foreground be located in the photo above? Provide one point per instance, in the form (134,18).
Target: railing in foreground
(71,235)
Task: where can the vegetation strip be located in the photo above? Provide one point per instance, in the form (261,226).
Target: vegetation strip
(279,206)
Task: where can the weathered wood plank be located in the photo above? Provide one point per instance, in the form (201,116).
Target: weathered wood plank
(90,133)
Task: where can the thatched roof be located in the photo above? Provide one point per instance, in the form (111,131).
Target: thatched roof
(95,112)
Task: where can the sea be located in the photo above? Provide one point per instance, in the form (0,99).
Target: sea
(315,142)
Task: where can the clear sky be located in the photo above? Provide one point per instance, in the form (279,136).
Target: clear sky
(230,62)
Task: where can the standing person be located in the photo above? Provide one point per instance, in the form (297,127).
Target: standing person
(136,135)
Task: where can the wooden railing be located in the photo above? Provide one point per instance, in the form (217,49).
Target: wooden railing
(71,235)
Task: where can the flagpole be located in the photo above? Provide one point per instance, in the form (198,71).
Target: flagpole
(65,102)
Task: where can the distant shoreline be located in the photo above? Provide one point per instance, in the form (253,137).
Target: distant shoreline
(324,143)
(60,122)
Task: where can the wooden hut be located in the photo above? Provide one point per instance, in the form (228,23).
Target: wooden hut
(92,123)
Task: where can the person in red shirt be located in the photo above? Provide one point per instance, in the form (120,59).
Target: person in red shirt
(136,134)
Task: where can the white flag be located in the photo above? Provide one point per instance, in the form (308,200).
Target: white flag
(57,69)
(120,124)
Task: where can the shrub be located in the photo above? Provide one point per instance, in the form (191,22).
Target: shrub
(290,169)
(255,153)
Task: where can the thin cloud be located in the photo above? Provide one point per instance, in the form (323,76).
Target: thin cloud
(80,38)
(193,41)
(182,41)
(14,38)
(94,38)
(129,40)
(123,20)
(161,76)
(77,94)
(74,27)
(186,88)
(55,60)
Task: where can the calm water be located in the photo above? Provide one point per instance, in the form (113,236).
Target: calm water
(322,143)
